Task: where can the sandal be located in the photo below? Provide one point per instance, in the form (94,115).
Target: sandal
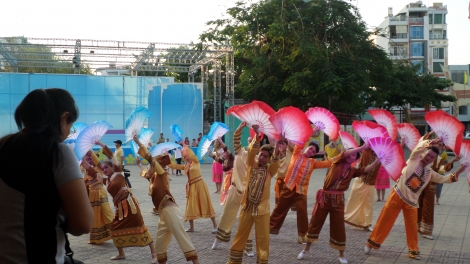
(118,257)
(189,230)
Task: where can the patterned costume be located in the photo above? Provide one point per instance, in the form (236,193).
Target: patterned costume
(170,222)
(295,190)
(404,197)
(255,207)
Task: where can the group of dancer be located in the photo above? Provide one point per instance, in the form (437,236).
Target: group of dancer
(247,185)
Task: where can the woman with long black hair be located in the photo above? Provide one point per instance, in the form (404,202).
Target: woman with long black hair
(41,183)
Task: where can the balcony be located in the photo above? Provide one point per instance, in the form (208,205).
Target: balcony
(437,36)
(399,37)
(416,20)
(398,20)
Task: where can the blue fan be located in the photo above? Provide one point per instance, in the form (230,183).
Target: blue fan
(145,137)
(202,147)
(135,122)
(176,132)
(77,127)
(89,136)
(218,129)
(70,143)
(163,147)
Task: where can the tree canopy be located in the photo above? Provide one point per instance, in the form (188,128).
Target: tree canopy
(315,53)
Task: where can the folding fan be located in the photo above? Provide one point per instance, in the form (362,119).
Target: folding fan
(254,114)
(465,152)
(367,130)
(176,132)
(266,108)
(386,119)
(135,122)
(324,120)
(203,146)
(293,124)
(409,134)
(77,127)
(347,140)
(390,154)
(232,111)
(218,129)
(145,135)
(447,127)
(163,147)
(89,136)
(70,143)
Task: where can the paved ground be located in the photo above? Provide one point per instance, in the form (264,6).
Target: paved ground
(452,232)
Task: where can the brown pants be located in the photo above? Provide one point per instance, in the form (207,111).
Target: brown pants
(286,199)
(334,205)
(426,209)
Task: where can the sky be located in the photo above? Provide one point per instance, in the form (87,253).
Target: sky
(179,21)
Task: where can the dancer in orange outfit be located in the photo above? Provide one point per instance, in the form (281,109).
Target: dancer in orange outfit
(405,194)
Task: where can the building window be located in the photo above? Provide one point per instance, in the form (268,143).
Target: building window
(430,18)
(437,18)
(417,49)
(416,33)
(463,110)
(457,76)
(438,53)
(420,63)
(436,66)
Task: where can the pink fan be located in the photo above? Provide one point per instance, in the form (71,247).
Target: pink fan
(324,120)
(386,119)
(231,110)
(367,130)
(409,134)
(253,114)
(447,127)
(390,154)
(347,140)
(465,152)
(293,124)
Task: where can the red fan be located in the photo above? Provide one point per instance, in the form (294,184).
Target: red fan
(386,119)
(324,120)
(293,124)
(367,129)
(409,134)
(390,154)
(232,109)
(347,140)
(465,152)
(253,114)
(447,127)
(266,108)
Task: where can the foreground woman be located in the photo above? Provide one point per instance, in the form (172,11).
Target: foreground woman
(128,228)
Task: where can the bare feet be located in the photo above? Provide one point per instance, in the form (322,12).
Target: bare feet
(189,230)
(378,200)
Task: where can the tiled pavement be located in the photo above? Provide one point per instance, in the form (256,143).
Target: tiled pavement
(452,232)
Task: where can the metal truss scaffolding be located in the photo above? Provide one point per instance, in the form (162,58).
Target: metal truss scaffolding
(135,56)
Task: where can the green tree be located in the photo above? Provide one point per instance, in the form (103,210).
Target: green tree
(305,53)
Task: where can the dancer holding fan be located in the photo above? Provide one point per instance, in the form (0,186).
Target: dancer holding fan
(98,196)
(255,201)
(198,202)
(217,169)
(330,200)
(234,196)
(426,198)
(404,196)
(170,222)
(226,159)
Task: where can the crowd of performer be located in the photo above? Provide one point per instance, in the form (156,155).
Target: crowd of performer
(247,186)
